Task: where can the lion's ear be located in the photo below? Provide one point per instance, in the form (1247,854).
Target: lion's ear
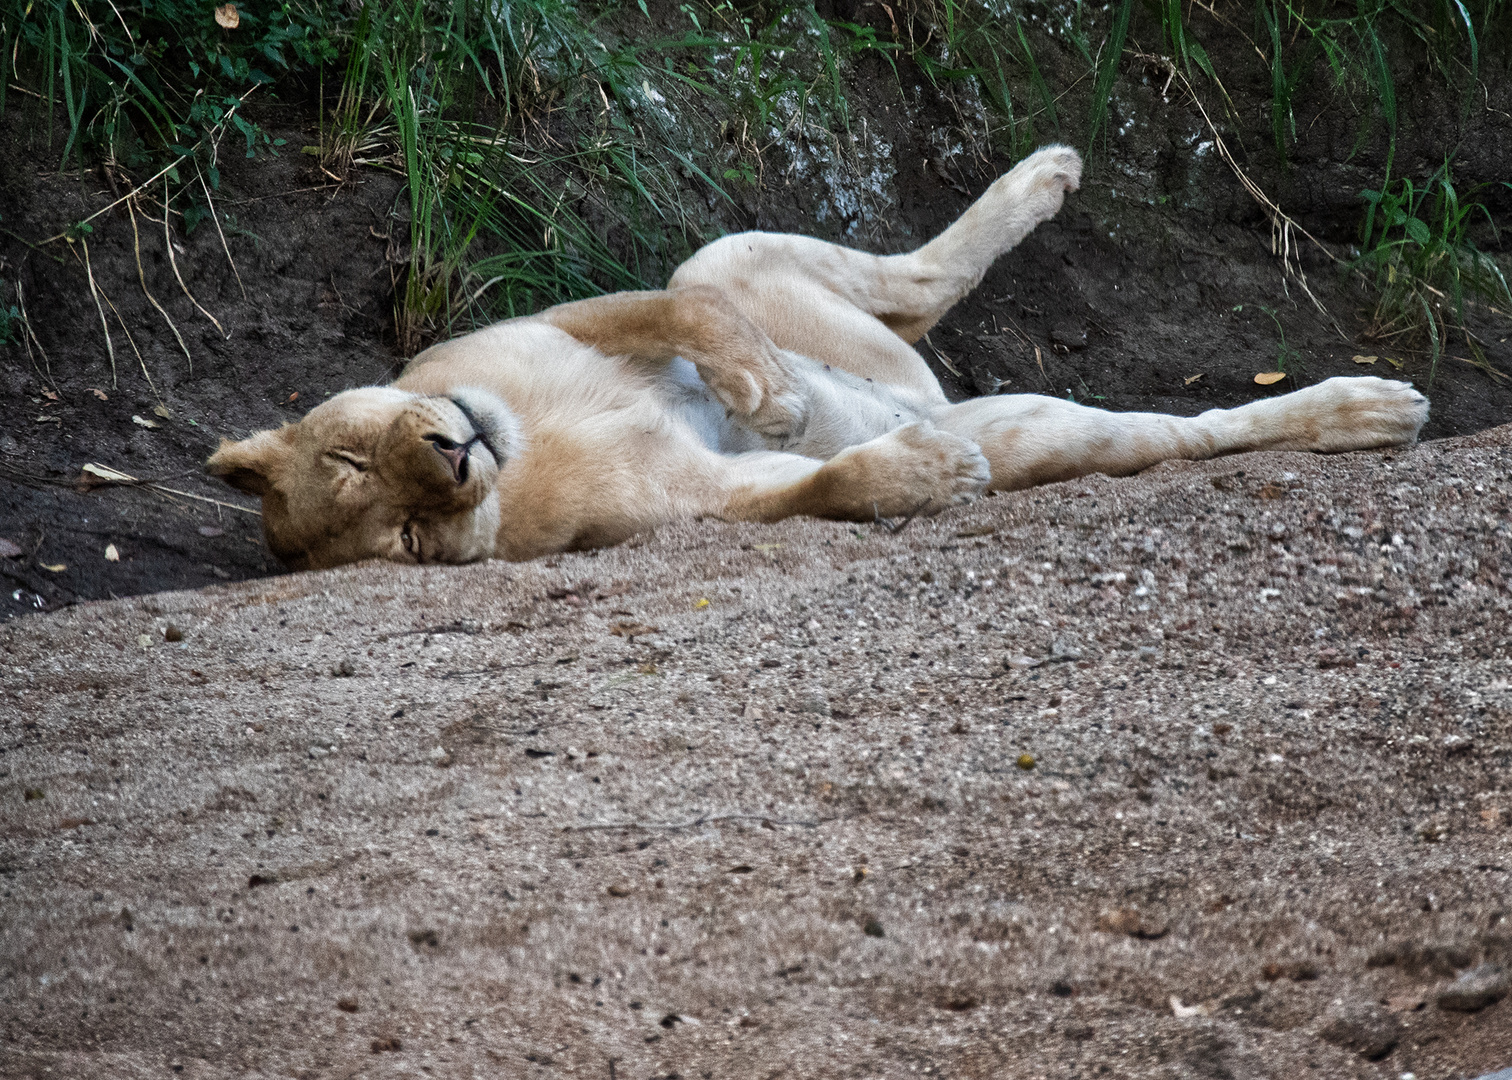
(252,465)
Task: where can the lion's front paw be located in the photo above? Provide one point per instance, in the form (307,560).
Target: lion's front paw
(765,397)
(919,469)
(1361,413)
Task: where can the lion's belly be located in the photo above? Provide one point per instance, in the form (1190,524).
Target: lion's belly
(686,396)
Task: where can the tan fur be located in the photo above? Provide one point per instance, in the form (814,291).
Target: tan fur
(586,424)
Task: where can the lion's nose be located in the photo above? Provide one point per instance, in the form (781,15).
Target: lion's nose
(455,453)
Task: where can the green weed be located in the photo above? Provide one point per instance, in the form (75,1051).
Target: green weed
(1418,252)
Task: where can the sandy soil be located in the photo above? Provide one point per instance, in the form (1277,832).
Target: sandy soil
(739,801)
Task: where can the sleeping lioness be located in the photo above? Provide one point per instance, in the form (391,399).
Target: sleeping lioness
(774,376)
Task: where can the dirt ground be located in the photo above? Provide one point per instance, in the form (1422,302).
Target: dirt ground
(1203,773)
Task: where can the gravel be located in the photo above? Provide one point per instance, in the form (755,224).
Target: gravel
(1265,705)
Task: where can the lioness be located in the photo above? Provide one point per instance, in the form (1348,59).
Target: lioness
(774,376)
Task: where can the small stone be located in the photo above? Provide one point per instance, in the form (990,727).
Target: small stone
(389,1045)
(619,889)
(343,670)
(1476,988)
(173,633)
(817,704)
(1433,830)
(347,1005)
(33,794)
(1069,337)
(211,531)
(1366,1030)
(1133,922)
(1065,650)
(873,928)
(1026,762)
(440,757)
(9,549)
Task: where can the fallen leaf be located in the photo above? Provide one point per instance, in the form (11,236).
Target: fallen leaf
(1394,363)
(1265,378)
(294,396)
(50,395)
(112,553)
(9,549)
(102,395)
(1271,491)
(630,630)
(1365,359)
(144,422)
(227,16)
(1186,1012)
(976,530)
(162,410)
(56,568)
(703,602)
(1190,379)
(107,474)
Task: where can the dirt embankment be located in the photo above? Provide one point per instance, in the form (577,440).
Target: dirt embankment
(744,801)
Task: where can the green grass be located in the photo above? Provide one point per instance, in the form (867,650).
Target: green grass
(551,149)
(1418,252)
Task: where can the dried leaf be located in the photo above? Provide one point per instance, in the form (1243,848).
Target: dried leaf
(1190,379)
(631,630)
(703,602)
(1265,378)
(102,395)
(50,395)
(112,553)
(144,422)
(56,568)
(1365,359)
(1186,1012)
(162,410)
(227,16)
(294,396)
(1394,363)
(109,475)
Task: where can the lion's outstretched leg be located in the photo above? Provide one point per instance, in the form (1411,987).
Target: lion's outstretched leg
(735,359)
(861,312)
(915,469)
(1033,440)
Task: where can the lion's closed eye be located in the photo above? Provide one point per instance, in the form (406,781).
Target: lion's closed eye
(356,461)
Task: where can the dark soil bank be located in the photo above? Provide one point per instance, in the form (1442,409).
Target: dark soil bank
(1157,288)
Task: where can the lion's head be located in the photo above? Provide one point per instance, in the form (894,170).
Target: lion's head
(379,473)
